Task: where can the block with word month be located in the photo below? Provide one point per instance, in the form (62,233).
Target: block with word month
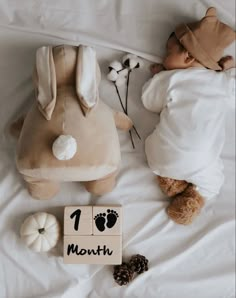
(93,250)
(107,220)
(78,220)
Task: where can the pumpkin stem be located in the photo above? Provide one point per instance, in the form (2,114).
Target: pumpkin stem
(41,231)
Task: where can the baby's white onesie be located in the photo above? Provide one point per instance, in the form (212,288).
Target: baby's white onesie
(187,142)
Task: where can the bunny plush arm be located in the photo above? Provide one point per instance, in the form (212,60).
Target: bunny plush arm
(122,121)
(16,126)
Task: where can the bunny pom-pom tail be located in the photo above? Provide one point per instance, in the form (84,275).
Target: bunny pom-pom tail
(64,147)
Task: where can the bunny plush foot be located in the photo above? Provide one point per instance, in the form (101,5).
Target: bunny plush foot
(186,206)
(171,187)
(102,186)
(41,189)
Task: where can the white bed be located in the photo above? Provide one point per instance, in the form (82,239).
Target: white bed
(187,262)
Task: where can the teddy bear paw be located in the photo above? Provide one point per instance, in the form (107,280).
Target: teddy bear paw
(184,208)
(171,187)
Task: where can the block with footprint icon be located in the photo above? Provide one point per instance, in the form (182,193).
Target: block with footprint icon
(93,234)
(107,220)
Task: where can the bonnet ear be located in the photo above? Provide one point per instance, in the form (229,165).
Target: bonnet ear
(211,12)
(87,78)
(45,81)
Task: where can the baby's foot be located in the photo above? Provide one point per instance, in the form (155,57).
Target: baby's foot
(111,218)
(156,68)
(100,221)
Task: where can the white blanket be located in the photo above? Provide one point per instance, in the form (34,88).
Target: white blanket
(189,138)
(194,261)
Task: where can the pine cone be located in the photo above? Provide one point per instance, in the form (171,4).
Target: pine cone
(138,263)
(123,274)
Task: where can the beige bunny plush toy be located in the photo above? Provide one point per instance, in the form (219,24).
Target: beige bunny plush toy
(69,134)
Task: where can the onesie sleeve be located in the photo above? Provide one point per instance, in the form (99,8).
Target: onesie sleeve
(231,78)
(154,93)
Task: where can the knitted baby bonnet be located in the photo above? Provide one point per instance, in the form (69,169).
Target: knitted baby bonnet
(206,39)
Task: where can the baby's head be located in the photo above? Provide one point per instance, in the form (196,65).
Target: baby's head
(177,57)
(199,44)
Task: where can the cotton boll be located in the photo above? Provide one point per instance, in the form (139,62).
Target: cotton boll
(131,61)
(123,72)
(64,147)
(120,81)
(126,59)
(135,63)
(140,63)
(112,75)
(116,65)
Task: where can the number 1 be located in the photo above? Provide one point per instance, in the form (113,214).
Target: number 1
(76,214)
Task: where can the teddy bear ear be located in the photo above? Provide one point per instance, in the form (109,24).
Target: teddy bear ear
(45,81)
(88,76)
(211,12)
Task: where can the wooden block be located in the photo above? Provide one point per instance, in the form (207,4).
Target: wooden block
(78,220)
(93,250)
(107,220)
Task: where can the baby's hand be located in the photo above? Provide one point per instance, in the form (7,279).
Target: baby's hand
(156,68)
(227,62)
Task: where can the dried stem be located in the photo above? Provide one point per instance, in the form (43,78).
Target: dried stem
(126,102)
(118,93)
(127,92)
(131,138)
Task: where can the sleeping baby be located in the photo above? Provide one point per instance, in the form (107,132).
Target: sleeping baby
(191,91)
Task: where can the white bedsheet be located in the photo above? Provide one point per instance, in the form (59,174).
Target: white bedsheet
(192,262)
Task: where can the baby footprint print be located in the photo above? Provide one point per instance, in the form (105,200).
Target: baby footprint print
(100,221)
(111,218)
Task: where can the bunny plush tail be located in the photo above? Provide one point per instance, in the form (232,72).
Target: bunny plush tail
(64,147)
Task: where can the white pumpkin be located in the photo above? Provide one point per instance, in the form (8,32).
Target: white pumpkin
(40,231)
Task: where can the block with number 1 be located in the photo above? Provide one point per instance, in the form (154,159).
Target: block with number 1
(78,220)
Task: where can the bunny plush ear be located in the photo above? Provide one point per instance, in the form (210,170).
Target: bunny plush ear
(45,81)
(87,78)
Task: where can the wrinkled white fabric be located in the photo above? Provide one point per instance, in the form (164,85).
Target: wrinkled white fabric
(135,26)
(188,140)
(194,261)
